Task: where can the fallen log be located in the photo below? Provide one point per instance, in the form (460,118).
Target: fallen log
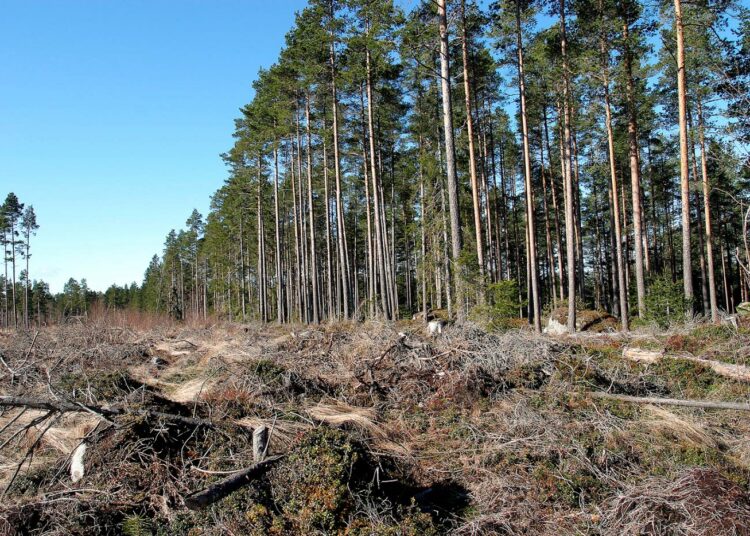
(703,404)
(101,411)
(222,488)
(728,370)
(642,356)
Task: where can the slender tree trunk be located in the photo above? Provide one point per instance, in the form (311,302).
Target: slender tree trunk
(13,261)
(619,258)
(534,299)
(423,232)
(371,274)
(262,283)
(242,269)
(344,276)
(553,270)
(687,271)
(472,158)
(707,214)
(297,239)
(699,218)
(28,283)
(330,309)
(379,231)
(6,321)
(311,217)
(558,236)
(568,179)
(450,156)
(277,238)
(635,173)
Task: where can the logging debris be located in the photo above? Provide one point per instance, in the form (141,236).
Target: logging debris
(369,429)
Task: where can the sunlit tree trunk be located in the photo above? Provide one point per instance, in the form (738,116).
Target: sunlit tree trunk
(472,158)
(344,276)
(450,156)
(707,215)
(568,179)
(534,299)
(380,238)
(277,238)
(311,218)
(619,258)
(635,173)
(687,271)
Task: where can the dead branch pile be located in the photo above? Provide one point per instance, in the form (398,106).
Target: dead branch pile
(371,427)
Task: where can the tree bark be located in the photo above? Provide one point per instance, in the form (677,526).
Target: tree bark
(450,157)
(380,249)
(687,271)
(619,257)
(472,158)
(344,277)
(277,238)
(569,194)
(707,215)
(635,172)
(534,299)
(311,217)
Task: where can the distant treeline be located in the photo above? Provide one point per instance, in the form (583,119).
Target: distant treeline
(28,302)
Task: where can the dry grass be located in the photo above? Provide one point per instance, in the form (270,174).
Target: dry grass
(699,502)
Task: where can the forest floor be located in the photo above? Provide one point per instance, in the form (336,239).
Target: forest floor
(379,429)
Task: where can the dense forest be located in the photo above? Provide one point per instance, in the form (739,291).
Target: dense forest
(519,156)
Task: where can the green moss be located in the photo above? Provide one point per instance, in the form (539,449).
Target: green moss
(312,485)
(410,522)
(687,377)
(268,371)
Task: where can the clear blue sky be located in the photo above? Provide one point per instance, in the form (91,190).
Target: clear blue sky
(113,114)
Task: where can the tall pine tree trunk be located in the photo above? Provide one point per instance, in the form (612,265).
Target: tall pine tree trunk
(344,276)
(635,172)
(534,299)
(330,309)
(687,270)
(311,217)
(568,179)
(450,156)
(472,158)
(380,250)
(707,215)
(277,238)
(619,257)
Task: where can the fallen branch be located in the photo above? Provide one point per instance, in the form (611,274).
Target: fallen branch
(704,404)
(99,411)
(222,488)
